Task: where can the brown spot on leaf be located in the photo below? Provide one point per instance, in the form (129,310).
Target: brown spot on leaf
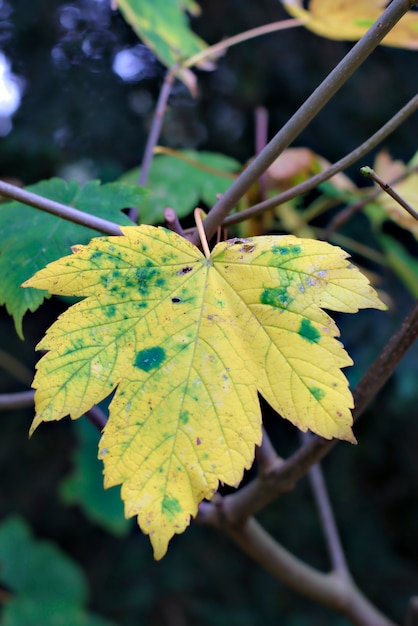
(184,270)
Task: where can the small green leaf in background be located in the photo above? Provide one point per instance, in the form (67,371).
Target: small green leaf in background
(47,588)
(85,485)
(182,184)
(162,26)
(29,238)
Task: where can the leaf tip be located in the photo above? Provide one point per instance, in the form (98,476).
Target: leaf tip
(34,425)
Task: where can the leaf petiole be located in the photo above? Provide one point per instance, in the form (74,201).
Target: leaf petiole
(202,235)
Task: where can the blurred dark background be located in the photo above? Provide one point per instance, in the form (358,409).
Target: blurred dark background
(81,92)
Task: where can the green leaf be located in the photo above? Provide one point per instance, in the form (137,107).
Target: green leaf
(181,185)
(29,238)
(85,485)
(46,586)
(162,26)
(188,341)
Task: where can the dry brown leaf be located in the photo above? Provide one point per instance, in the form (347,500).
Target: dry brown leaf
(298,164)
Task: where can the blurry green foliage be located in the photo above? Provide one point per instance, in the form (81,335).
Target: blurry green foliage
(84,486)
(44,585)
(182,181)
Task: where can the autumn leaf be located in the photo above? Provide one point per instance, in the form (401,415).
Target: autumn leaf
(188,341)
(349,20)
(293,166)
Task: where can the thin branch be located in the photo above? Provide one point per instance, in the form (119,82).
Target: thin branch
(313,182)
(261,138)
(370,173)
(332,590)
(311,107)
(23,399)
(18,400)
(266,456)
(172,222)
(59,210)
(328,524)
(346,214)
(219,48)
(97,417)
(153,136)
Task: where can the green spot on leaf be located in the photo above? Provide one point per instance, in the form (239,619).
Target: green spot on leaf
(277,296)
(317,392)
(170,507)
(150,358)
(144,276)
(308,331)
(110,311)
(184,417)
(286,250)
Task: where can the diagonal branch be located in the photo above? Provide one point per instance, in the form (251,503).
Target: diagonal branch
(58,209)
(370,173)
(346,214)
(358,153)
(305,114)
(220,47)
(332,590)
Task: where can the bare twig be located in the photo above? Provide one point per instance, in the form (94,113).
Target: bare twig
(261,138)
(346,214)
(328,524)
(370,173)
(97,417)
(219,48)
(399,118)
(172,222)
(318,99)
(59,210)
(333,590)
(18,400)
(23,399)
(157,122)
(266,456)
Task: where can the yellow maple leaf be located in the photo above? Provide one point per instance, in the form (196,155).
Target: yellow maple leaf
(188,340)
(348,20)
